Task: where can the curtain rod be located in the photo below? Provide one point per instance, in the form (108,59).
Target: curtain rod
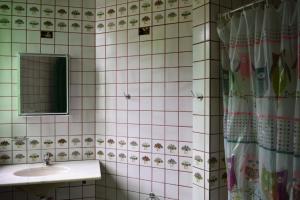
(243,7)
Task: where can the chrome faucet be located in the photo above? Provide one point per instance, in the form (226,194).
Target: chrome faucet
(47,159)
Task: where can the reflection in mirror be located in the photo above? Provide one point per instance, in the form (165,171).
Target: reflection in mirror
(43,84)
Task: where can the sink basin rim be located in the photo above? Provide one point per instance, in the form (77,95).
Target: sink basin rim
(41,171)
(80,170)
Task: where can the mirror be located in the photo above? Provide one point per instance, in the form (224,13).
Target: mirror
(43,84)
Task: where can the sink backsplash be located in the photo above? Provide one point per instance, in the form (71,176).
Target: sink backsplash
(61,148)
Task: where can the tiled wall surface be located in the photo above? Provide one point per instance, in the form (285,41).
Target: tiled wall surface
(209,174)
(145,141)
(65,137)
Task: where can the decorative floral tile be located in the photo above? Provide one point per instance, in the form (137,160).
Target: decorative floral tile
(111,12)
(111,25)
(88,153)
(122,23)
(61,12)
(100,141)
(122,10)
(74,26)
(145,145)
(61,155)
(171,147)
(100,153)
(100,13)
(19,144)
(199,160)
(19,157)
(5,8)
(133,144)
(183,3)
(47,11)
(171,4)
(88,14)
(75,13)
(212,180)
(133,21)
(33,23)
(34,156)
(88,27)
(19,22)
(111,142)
(75,141)
(172,16)
(62,25)
(158,160)
(122,143)
(213,162)
(5,144)
(75,154)
(111,155)
(145,20)
(88,140)
(198,177)
(158,5)
(158,18)
(171,162)
(34,143)
(185,164)
(5,21)
(19,9)
(133,157)
(145,159)
(47,24)
(185,14)
(100,27)
(158,146)
(145,6)
(185,149)
(6,157)
(62,142)
(48,142)
(122,156)
(133,8)
(33,10)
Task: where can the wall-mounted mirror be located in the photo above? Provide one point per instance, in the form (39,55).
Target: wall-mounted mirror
(43,84)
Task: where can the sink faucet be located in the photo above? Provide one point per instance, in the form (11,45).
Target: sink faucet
(47,159)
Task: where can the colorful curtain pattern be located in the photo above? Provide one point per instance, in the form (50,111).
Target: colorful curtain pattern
(261,93)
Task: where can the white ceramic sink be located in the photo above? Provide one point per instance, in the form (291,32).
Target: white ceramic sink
(38,173)
(41,171)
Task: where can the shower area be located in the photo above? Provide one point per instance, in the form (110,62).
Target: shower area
(261,85)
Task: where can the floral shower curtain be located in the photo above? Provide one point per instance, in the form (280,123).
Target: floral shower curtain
(261,95)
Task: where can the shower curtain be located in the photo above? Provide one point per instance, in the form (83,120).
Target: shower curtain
(261,96)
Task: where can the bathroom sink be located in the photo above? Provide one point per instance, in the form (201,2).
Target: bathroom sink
(57,172)
(41,171)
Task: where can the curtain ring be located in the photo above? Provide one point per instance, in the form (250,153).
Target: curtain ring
(228,16)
